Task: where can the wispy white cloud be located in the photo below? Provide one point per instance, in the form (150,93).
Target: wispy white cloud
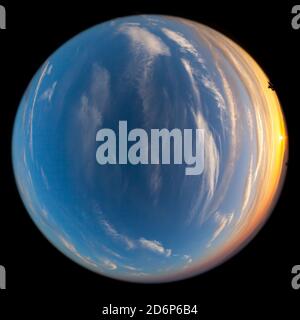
(44,213)
(211,85)
(110,230)
(139,274)
(108,264)
(190,71)
(184,44)
(187,258)
(71,247)
(90,112)
(131,268)
(45,179)
(50,69)
(152,245)
(111,252)
(155,246)
(93,103)
(211,165)
(48,94)
(145,41)
(180,40)
(37,89)
(147,48)
(247,195)
(67,244)
(88,261)
(136,24)
(222,220)
(155,182)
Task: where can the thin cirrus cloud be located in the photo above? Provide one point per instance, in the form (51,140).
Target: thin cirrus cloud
(223,221)
(155,183)
(112,252)
(95,101)
(104,262)
(43,74)
(130,268)
(107,264)
(71,247)
(151,245)
(210,84)
(145,41)
(211,154)
(183,43)
(146,48)
(45,179)
(48,94)
(111,231)
(187,258)
(155,246)
(191,74)
(212,165)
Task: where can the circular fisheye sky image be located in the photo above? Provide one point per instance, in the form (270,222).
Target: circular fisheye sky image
(149,223)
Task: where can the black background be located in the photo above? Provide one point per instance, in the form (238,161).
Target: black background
(40,280)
